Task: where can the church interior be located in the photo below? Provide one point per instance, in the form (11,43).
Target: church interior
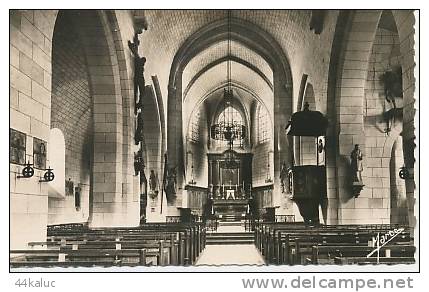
(209,137)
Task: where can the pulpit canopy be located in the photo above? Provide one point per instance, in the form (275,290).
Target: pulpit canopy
(307,123)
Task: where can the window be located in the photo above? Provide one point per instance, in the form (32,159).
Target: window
(229,116)
(17,147)
(194,131)
(263,123)
(60,186)
(39,153)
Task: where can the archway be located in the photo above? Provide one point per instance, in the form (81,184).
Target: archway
(355,32)
(72,114)
(153,156)
(108,194)
(259,41)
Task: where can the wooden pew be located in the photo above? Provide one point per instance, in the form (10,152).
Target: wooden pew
(74,258)
(193,236)
(169,244)
(328,254)
(285,243)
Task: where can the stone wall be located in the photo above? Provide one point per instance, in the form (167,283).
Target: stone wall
(198,151)
(376,195)
(30,109)
(112,201)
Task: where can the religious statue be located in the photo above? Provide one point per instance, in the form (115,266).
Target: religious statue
(138,135)
(171,181)
(217,192)
(139,81)
(138,162)
(139,63)
(356,164)
(211,191)
(284,177)
(153,184)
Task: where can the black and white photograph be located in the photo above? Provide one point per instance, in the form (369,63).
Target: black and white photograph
(214,140)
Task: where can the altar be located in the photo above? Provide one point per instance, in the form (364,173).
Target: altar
(230,187)
(230,209)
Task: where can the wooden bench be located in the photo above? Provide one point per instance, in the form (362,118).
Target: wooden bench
(152,243)
(286,243)
(63,258)
(327,254)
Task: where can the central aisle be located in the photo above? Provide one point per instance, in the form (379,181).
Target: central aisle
(245,254)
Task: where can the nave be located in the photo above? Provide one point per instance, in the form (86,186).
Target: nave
(177,137)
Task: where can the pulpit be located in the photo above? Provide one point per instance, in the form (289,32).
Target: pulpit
(307,183)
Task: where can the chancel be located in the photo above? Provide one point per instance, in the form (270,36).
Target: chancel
(211,137)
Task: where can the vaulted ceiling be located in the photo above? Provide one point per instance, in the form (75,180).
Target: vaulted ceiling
(205,72)
(219,52)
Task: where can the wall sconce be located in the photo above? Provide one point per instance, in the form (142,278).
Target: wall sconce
(27,171)
(48,176)
(405,173)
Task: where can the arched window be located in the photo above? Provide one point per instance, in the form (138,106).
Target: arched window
(194,127)
(230,116)
(263,125)
(57,161)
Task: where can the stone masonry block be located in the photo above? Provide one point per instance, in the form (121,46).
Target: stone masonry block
(42,59)
(30,107)
(28,29)
(31,69)
(14,56)
(20,81)
(19,121)
(20,41)
(41,94)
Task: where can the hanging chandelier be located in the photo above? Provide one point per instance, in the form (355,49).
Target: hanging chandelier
(228,129)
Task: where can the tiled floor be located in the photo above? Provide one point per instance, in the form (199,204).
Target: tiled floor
(230,255)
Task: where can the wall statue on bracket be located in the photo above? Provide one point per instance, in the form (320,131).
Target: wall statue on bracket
(284,177)
(138,162)
(356,166)
(171,181)
(153,184)
(153,181)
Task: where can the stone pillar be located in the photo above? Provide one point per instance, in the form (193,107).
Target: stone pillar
(175,138)
(349,113)
(282,149)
